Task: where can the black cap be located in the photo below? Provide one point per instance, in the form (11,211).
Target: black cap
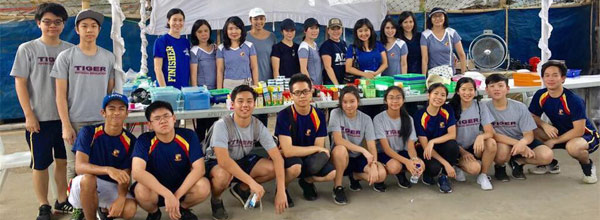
(288,24)
(436,10)
(310,22)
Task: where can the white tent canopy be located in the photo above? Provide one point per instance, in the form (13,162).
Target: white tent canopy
(216,12)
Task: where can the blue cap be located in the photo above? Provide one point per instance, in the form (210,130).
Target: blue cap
(115,96)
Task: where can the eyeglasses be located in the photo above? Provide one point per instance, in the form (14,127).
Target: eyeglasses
(48,22)
(302,92)
(160,118)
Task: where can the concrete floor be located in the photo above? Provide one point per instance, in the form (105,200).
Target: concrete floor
(561,196)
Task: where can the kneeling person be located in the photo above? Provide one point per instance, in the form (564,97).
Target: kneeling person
(230,155)
(168,166)
(103,162)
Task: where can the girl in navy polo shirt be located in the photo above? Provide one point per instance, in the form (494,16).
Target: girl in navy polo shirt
(236,58)
(172,47)
(436,132)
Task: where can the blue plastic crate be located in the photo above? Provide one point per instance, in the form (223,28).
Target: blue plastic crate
(195,98)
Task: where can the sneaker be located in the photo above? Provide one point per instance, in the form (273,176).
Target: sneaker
(379,187)
(45,212)
(186,214)
(63,207)
(500,173)
(239,194)
(309,190)
(484,181)
(354,184)
(444,184)
(218,210)
(427,180)
(402,181)
(102,215)
(77,214)
(517,169)
(460,174)
(552,168)
(339,196)
(154,216)
(589,173)
(289,199)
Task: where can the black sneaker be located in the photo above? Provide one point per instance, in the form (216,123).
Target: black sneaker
(154,216)
(339,196)
(218,210)
(289,199)
(427,180)
(63,207)
(444,184)
(186,214)
(77,214)
(102,215)
(517,170)
(402,181)
(354,184)
(309,190)
(45,212)
(379,187)
(500,173)
(239,194)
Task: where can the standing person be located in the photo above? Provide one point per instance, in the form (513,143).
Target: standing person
(371,56)
(236,58)
(570,129)
(301,130)
(513,125)
(333,53)
(396,133)
(203,66)
(35,90)
(284,55)
(230,156)
(436,131)
(308,52)
(84,74)
(350,128)
(474,133)
(168,165)
(409,34)
(172,54)
(103,163)
(395,47)
(263,41)
(438,41)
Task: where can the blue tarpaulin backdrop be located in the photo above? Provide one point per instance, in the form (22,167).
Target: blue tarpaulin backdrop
(569,41)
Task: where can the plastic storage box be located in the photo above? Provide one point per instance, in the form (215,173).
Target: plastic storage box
(168,94)
(195,98)
(219,95)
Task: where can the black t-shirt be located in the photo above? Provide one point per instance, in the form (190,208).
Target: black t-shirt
(414,53)
(289,64)
(337,52)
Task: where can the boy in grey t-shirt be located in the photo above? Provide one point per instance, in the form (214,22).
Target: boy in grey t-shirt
(35,90)
(229,155)
(514,127)
(84,74)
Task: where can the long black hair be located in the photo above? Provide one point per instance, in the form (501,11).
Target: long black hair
(372,39)
(403,16)
(352,90)
(382,37)
(406,124)
(455,101)
(237,21)
(193,38)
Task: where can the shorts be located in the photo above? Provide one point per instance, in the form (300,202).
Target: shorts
(384,158)
(161,200)
(356,165)
(247,163)
(535,143)
(290,161)
(593,141)
(108,192)
(46,145)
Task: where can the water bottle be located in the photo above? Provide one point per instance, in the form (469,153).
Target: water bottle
(251,202)
(414,179)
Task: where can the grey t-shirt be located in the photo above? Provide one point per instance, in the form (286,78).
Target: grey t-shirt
(87,78)
(314,66)
(390,129)
(467,128)
(263,55)
(207,66)
(439,50)
(512,121)
(237,60)
(394,57)
(354,130)
(34,61)
(241,146)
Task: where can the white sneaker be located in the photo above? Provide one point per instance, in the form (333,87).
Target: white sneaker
(484,180)
(591,179)
(460,175)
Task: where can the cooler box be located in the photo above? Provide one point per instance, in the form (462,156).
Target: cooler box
(168,94)
(219,95)
(195,98)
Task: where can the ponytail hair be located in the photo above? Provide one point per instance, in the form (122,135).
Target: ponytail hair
(406,123)
(455,101)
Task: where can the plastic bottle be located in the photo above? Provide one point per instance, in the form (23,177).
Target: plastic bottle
(251,202)
(414,179)
(259,98)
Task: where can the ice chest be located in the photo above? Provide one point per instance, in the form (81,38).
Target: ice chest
(195,98)
(168,94)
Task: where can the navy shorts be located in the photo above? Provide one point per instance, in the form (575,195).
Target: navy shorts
(161,200)
(291,161)
(593,141)
(46,145)
(535,143)
(384,158)
(247,163)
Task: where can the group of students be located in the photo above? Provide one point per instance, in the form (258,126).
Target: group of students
(66,92)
